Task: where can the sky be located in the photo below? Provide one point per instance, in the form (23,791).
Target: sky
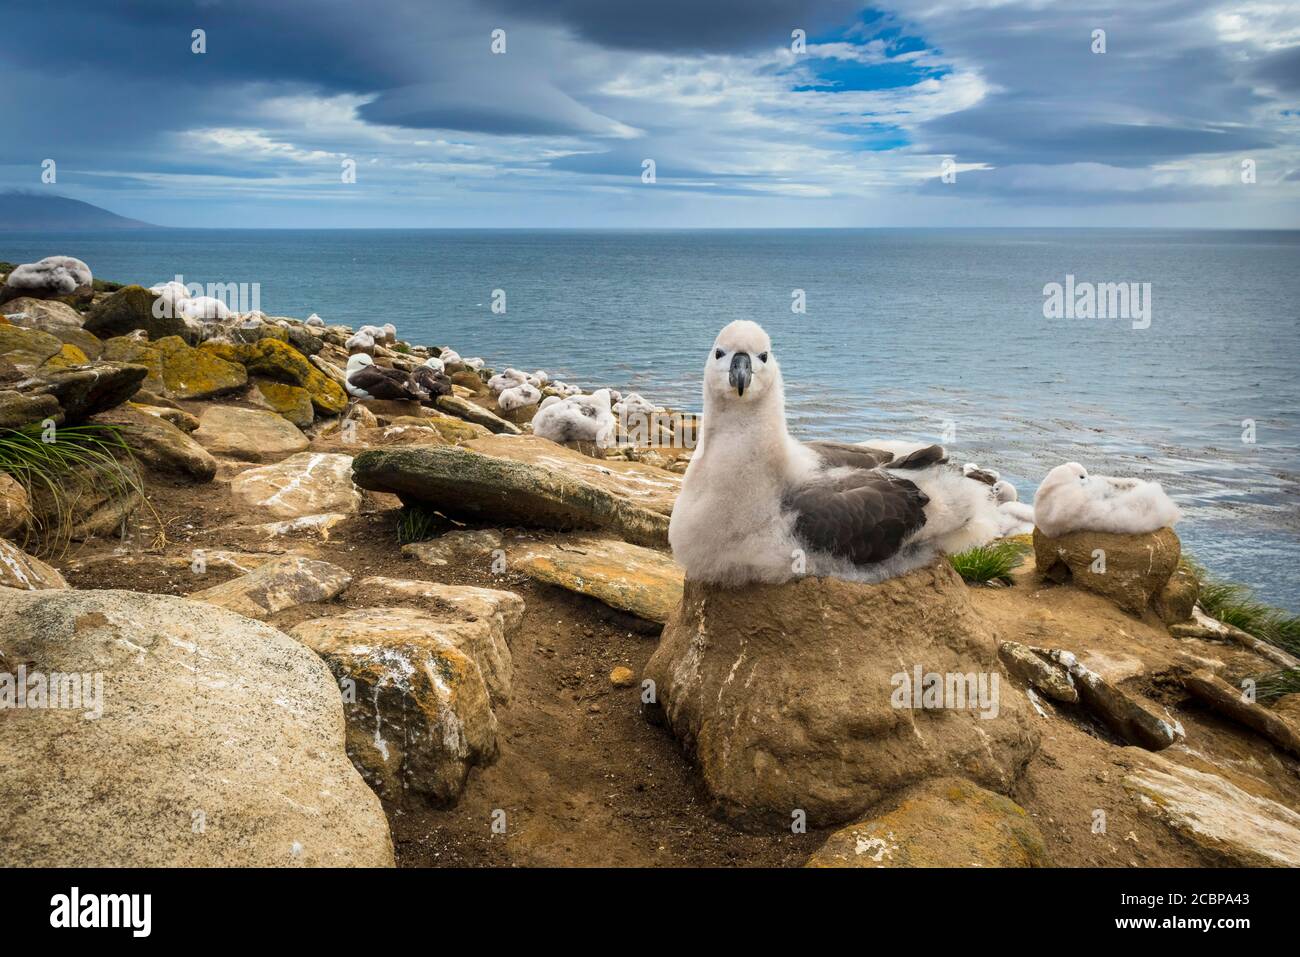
(755,113)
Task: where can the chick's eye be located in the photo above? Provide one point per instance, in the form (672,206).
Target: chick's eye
(719,354)
(762,357)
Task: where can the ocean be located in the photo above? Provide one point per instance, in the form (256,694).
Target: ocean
(944,335)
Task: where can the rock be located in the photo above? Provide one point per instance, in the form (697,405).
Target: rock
(464,409)
(318,526)
(15,506)
(622,677)
(92,502)
(68,357)
(182,420)
(190,373)
(220,743)
(459,548)
(489,616)
(18,410)
(460,482)
(799,696)
(1175,601)
(469,380)
(132,308)
(26,572)
(385,410)
(137,352)
(280,361)
(1210,689)
(288,401)
(84,391)
(28,349)
(1048,676)
(450,429)
(251,435)
(947,822)
(303,484)
(1136,567)
(275,586)
(55,318)
(418,710)
(1206,628)
(647,486)
(631,578)
(160,445)
(1119,712)
(49,278)
(1233,827)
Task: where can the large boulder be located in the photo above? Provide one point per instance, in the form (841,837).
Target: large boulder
(203,739)
(947,822)
(302,484)
(1129,570)
(274,359)
(28,349)
(290,402)
(54,317)
(825,696)
(18,409)
(160,445)
(418,707)
(461,482)
(250,435)
(50,278)
(85,390)
(190,373)
(133,308)
(92,501)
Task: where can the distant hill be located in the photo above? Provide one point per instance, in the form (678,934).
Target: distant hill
(37,212)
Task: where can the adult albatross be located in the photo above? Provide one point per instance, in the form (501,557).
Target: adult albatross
(758,505)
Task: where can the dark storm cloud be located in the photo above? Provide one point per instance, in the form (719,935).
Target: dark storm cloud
(688,26)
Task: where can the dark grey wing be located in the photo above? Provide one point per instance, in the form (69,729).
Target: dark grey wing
(979,475)
(837,454)
(373,380)
(863,518)
(921,458)
(431,381)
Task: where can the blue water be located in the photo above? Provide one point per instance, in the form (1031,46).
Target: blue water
(905,332)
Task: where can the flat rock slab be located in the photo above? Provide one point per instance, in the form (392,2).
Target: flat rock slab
(462,408)
(649,487)
(812,694)
(418,708)
(459,548)
(26,572)
(307,483)
(220,742)
(1235,827)
(1130,570)
(948,822)
(251,435)
(277,585)
(645,582)
(462,482)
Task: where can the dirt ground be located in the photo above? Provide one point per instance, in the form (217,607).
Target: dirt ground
(584,780)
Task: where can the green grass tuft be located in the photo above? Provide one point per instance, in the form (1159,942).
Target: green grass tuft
(1237,605)
(78,460)
(417,523)
(1275,684)
(992,562)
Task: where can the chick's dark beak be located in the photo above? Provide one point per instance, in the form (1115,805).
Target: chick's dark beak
(741,372)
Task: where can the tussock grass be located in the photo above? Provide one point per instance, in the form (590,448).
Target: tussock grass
(80,460)
(1275,684)
(992,562)
(1237,605)
(416,523)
